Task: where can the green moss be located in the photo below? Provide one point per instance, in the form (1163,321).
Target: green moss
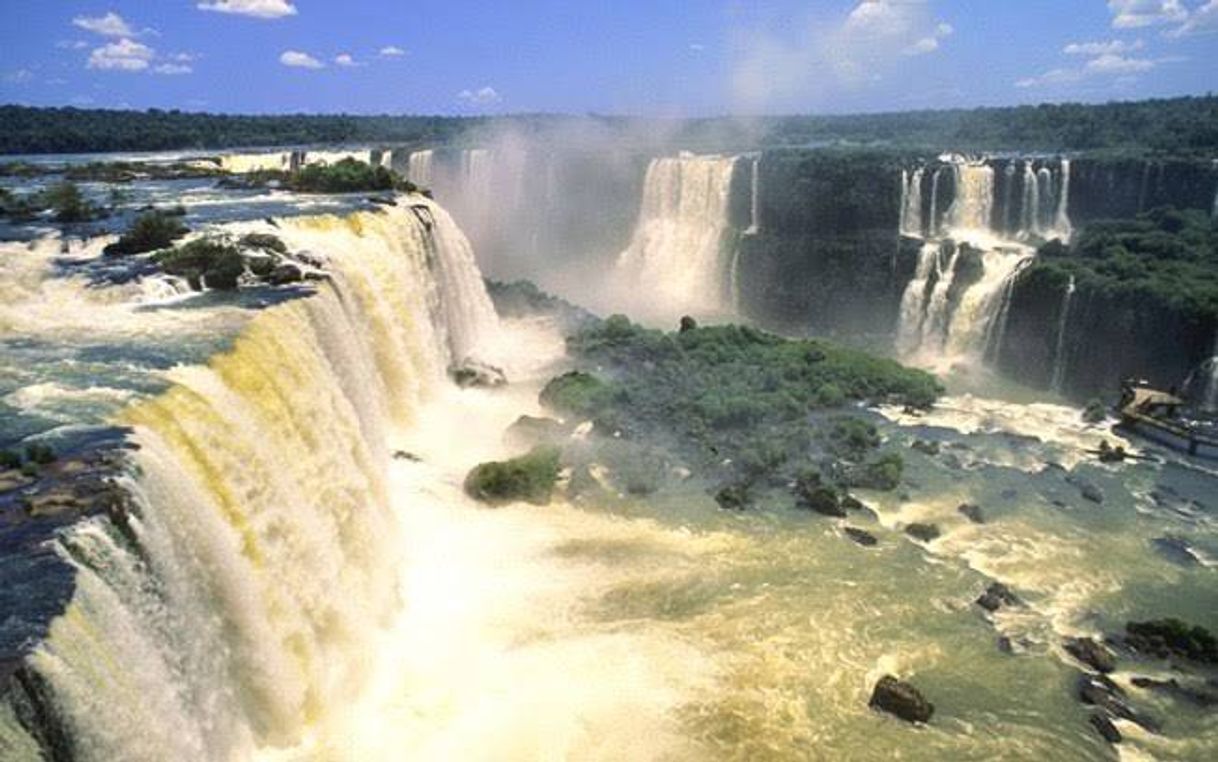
(529,478)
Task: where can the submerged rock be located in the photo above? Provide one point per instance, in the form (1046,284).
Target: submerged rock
(1199,697)
(1164,638)
(971,512)
(861,536)
(923,532)
(529,478)
(925,447)
(1091,653)
(901,699)
(996,596)
(1099,691)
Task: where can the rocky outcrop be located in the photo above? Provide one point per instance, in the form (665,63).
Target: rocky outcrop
(1091,653)
(996,596)
(923,532)
(901,699)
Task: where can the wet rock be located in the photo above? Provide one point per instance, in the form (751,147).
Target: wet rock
(971,512)
(410,457)
(734,497)
(533,430)
(1198,697)
(476,374)
(996,596)
(923,532)
(825,501)
(1165,638)
(1105,728)
(1091,653)
(1005,645)
(925,447)
(901,699)
(1099,691)
(861,536)
(1176,550)
(952,461)
(852,503)
(1087,489)
(284,273)
(687,324)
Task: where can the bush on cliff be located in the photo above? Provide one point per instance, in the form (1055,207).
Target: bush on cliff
(206,262)
(529,478)
(150,232)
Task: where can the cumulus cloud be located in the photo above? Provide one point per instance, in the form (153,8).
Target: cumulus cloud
(1201,21)
(1111,63)
(260,9)
(1134,14)
(1108,47)
(392,51)
(299,60)
(110,25)
(791,65)
(1123,68)
(484,96)
(345,59)
(124,55)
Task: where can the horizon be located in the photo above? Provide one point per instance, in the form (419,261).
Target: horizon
(718,60)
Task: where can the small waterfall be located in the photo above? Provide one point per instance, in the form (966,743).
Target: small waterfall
(913,302)
(754,201)
(419,170)
(1061,223)
(973,208)
(1059,351)
(675,262)
(243,163)
(1030,221)
(234,609)
(1008,198)
(933,225)
(911,202)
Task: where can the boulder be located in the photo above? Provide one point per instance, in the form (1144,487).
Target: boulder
(852,503)
(901,699)
(1091,653)
(1105,728)
(825,501)
(284,273)
(1198,697)
(1164,638)
(476,374)
(923,532)
(996,596)
(688,324)
(925,447)
(734,497)
(861,536)
(1099,691)
(971,512)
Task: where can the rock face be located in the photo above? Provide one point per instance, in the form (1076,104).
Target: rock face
(1091,653)
(996,596)
(476,374)
(923,532)
(901,699)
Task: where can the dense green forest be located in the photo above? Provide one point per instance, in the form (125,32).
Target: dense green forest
(1179,126)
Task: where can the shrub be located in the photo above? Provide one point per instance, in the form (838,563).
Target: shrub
(66,201)
(39,453)
(529,478)
(10,459)
(209,262)
(150,232)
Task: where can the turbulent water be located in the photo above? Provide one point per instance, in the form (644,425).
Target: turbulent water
(677,261)
(946,321)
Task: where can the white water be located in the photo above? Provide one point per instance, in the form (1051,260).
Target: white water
(676,261)
(1059,351)
(755,199)
(941,331)
(265,534)
(420,168)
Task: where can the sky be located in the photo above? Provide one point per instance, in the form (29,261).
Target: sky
(646,57)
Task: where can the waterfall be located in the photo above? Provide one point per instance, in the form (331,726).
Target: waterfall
(419,170)
(913,302)
(754,201)
(911,202)
(243,163)
(1059,351)
(675,261)
(236,606)
(1008,198)
(1063,228)
(933,225)
(1030,224)
(973,207)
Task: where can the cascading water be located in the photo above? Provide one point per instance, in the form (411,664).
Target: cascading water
(419,170)
(676,261)
(911,202)
(973,208)
(235,606)
(755,199)
(1059,352)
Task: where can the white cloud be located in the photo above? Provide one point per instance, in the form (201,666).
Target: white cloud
(124,55)
(696,47)
(110,25)
(484,96)
(300,60)
(261,9)
(345,59)
(1052,77)
(1110,63)
(392,51)
(793,65)
(1107,47)
(71,44)
(1202,21)
(173,68)
(1134,14)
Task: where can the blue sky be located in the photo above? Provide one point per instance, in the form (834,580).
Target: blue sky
(656,57)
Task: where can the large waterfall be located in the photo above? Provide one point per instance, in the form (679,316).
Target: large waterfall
(1059,351)
(955,305)
(239,600)
(676,261)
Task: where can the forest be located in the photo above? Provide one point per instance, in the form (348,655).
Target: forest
(1167,127)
